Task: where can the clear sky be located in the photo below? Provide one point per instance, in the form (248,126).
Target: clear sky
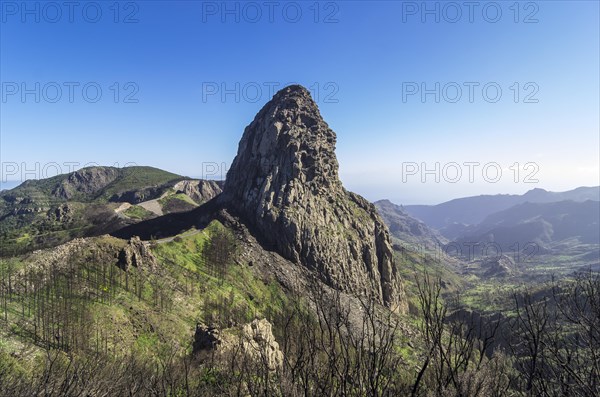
(179,81)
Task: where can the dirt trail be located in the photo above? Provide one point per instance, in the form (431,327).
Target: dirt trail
(152,206)
(122,207)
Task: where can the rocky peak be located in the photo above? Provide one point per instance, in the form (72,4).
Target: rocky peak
(500,266)
(287,143)
(284,181)
(198,190)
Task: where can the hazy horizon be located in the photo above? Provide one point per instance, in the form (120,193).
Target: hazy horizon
(10,184)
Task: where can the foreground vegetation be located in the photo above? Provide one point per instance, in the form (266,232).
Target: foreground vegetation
(89,326)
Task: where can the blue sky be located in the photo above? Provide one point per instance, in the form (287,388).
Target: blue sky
(162,69)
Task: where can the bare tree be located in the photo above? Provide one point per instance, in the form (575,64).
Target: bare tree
(219,251)
(456,361)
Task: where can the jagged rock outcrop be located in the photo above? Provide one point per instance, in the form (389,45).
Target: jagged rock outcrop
(62,213)
(259,343)
(137,254)
(198,190)
(255,340)
(85,181)
(284,181)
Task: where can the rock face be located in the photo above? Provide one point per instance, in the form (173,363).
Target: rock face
(259,343)
(284,182)
(255,340)
(136,254)
(206,338)
(198,190)
(85,181)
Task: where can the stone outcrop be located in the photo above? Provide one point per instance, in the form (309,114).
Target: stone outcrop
(85,181)
(259,344)
(255,340)
(284,181)
(137,254)
(500,266)
(62,213)
(198,190)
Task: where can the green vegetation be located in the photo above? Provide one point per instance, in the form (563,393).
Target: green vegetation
(225,289)
(176,202)
(47,227)
(137,212)
(44,191)
(137,178)
(92,300)
(84,313)
(48,212)
(128,178)
(176,196)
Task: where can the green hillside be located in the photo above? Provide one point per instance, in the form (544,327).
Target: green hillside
(47,212)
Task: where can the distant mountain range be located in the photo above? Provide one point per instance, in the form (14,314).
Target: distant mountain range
(540,224)
(473,210)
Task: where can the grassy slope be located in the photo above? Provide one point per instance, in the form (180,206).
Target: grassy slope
(161,312)
(137,212)
(176,202)
(138,177)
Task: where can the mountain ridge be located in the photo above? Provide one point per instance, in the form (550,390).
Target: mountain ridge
(473,209)
(92,201)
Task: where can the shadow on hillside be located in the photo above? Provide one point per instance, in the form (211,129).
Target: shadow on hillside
(172,224)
